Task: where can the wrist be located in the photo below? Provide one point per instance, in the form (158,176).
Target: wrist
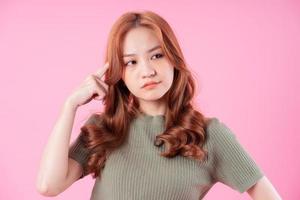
(69,104)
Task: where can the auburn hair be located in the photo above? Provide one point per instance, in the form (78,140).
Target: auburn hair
(184,132)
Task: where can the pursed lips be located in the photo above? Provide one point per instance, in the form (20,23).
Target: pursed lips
(150,83)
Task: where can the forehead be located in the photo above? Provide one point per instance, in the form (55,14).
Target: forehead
(139,40)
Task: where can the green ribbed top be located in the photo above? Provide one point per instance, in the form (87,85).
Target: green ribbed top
(136,171)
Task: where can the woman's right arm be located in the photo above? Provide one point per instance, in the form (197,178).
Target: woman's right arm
(52,175)
(57,171)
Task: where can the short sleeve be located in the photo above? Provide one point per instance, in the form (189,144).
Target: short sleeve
(78,151)
(232,164)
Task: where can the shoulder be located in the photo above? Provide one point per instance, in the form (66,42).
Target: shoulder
(214,123)
(217,131)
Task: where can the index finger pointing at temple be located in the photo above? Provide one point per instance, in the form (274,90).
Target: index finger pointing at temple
(100,72)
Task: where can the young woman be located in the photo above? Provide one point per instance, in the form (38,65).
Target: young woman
(150,142)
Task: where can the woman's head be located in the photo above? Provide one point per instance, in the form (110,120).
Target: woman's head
(144,61)
(136,33)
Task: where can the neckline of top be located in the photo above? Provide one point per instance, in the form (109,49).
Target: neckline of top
(147,116)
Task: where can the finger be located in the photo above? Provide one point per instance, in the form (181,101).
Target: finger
(100,72)
(101,85)
(100,95)
(98,98)
(97,94)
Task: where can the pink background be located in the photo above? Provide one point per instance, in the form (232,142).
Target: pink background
(245,56)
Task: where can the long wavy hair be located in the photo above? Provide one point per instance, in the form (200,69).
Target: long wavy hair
(184,132)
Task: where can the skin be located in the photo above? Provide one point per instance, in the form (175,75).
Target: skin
(139,69)
(263,190)
(146,66)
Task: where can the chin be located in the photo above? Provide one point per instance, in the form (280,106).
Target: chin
(151,97)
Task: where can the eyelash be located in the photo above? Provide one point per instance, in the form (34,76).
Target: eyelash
(161,55)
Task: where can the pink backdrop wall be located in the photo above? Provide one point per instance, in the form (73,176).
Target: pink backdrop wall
(245,56)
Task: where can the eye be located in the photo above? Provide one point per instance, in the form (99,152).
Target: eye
(158,55)
(129,62)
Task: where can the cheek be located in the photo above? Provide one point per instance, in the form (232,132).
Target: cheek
(125,76)
(170,74)
(130,82)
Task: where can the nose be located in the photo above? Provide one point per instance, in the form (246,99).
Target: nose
(147,69)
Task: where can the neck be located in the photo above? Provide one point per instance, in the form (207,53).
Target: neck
(152,107)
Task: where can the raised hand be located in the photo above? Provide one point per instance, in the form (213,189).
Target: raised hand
(93,87)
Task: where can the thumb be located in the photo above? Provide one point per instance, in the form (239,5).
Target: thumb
(97,98)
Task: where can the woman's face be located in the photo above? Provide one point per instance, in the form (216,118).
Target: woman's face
(144,62)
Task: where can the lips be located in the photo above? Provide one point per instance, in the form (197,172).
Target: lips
(150,83)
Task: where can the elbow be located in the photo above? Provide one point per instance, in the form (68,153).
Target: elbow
(45,190)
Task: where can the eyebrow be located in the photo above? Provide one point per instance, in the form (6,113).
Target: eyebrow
(152,49)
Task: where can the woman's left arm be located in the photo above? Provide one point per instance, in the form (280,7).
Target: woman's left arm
(263,190)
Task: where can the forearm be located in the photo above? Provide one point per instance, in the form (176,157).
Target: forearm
(263,190)
(54,162)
